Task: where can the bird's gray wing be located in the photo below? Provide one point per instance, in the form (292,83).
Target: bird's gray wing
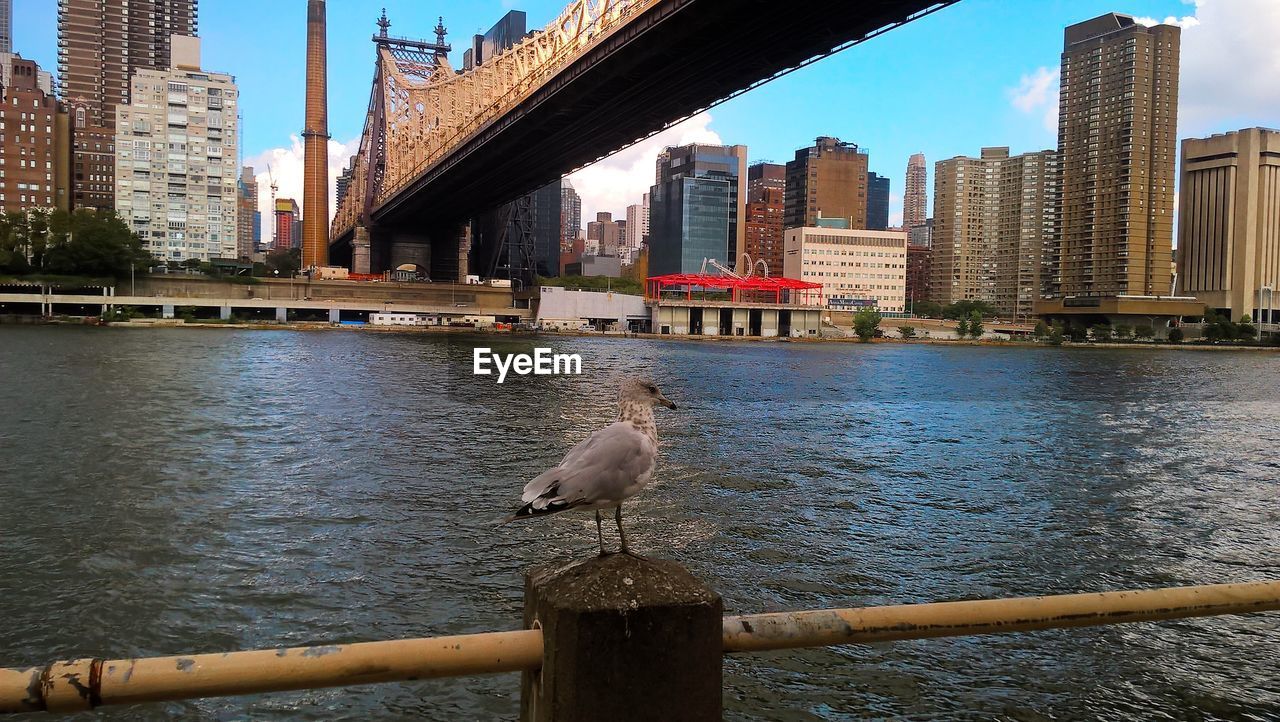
(602,468)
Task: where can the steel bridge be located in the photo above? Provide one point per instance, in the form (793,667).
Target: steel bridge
(441,146)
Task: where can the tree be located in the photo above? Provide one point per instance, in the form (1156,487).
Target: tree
(1077,333)
(1143,332)
(966,308)
(284,262)
(1056,335)
(866,323)
(1245,330)
(1122,331)
(1176,335)
(96,243)
(926,309)
(907,331)
(1041,330)
(962,328)
(1101,333)
(975,323)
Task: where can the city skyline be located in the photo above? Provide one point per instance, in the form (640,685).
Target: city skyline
(1007,96)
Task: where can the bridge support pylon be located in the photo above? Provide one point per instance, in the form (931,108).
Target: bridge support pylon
(360,251)
(464,251)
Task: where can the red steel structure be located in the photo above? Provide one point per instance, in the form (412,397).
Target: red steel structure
(747,290)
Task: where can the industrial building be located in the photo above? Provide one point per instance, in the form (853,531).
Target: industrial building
(570,309)
(697,304)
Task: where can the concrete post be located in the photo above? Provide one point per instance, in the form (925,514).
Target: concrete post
(464,252)
(282,314)
(335,315)
(624,639)
(166,310)
(224,313)
(360,250)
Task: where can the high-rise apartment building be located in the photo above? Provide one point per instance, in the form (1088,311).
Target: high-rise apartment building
(101,43)
(828,180)
(915,200)
(1229,222)
(877,202)
(1116,133)
(570,214)
(919,274)
(995,229)
(857,268)
(247,204)
(606,233)
(6,26)
(175,166)
(764,176)
(763,238)
(638,223)
(696,209)
(34,139)
(288,225)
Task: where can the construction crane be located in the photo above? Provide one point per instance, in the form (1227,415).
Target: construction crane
(272,208)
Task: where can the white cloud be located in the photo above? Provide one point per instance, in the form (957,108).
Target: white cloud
(620,180)
(1037,94)
(286,167)
(1230,66)
(1229,76)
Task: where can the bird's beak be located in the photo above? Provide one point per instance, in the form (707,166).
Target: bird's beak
(666,402)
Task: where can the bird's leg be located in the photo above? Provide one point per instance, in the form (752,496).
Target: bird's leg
(617,514)
(599,533)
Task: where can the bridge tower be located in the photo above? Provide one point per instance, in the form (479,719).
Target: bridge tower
(315,133)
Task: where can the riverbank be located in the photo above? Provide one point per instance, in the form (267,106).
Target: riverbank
(469,330)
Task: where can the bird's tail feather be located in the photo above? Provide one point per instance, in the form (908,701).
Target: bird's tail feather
(528,511)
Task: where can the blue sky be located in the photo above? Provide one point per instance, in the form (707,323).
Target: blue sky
(981,72)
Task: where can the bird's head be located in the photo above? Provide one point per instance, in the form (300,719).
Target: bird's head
(643,391)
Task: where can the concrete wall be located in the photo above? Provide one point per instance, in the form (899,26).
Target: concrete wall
(557,304)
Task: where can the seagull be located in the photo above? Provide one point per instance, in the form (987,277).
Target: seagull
(605,469)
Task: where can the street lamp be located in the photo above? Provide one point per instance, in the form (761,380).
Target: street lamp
(1261,321)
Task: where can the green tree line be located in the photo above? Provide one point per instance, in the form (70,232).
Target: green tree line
(83,243)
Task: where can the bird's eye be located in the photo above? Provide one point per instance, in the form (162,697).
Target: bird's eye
(653,389)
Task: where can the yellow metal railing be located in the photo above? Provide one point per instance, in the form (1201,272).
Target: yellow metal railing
(87,683)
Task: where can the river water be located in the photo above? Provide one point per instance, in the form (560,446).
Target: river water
(176,491)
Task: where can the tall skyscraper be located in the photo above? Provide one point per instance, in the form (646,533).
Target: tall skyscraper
(100,45)
(35,150)
(638,224)
(877,202)
(315,136)
(915,200)
(606,233)
(828,179)
(6,26)
(176,158)
(764,175)
(696,207)
(764,240)
(1116,133)
(247,203)
(287,225)
(995,224)
(570,214)
(1229,222)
